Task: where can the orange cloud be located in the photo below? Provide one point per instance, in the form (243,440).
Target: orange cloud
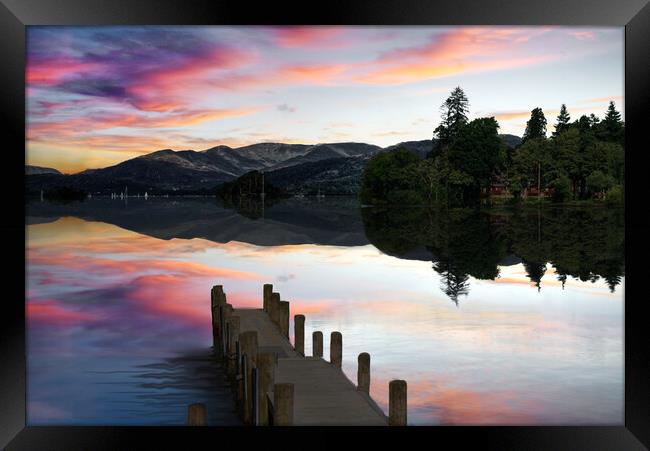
(604,99)
(450,405)
(79,125)
(458,51)
(525,114)
(98,265)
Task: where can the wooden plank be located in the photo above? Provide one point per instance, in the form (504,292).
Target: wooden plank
(323,395)
(268,334)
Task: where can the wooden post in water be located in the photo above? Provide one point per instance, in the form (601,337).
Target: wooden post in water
(248,346)
(363,373)
(283,318)
(283,404)
(317,344)
(218,298)
(274,308)
(197,415)
(222,330)
(255,396)
(215,294)
(225,312)
(215,324)
(266,363)
(233,332)
(243,386)
(267,290)
(299,334)
(397,403)
(238,372)
(336,349)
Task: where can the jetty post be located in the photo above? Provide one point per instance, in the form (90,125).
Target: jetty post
(255,396)
(274,308)
(363,373)
(299,334)
(266,363)
(228,311)
(283,404)
(222,330)
(266,295)
(397,403)
(197,415)
(336,349)
(248,347)
(216,297)
(317,343)
(233,337)
(283,318)
(264,380)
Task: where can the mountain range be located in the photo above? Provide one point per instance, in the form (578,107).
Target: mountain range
(332,168)
(37,170)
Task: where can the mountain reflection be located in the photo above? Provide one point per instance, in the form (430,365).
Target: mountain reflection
(583,243)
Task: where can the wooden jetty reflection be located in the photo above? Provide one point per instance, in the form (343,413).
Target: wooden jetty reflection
(276,384)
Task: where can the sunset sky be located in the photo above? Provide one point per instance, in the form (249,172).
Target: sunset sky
(97,96)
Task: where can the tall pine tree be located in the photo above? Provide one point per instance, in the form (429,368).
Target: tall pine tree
(536,125)
(562,121)
(454,116)
(612,125)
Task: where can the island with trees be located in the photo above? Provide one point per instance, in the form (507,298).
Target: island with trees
(582,159)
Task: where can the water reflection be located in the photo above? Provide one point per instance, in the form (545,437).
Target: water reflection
(118,306)
(584,243)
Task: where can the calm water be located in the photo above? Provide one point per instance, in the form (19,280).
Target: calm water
(511,317)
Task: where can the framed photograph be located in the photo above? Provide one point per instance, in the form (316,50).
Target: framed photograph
(412,215)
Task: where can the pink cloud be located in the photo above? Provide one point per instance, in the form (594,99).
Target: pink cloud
(173,88)
(50,72)
(451,405)
(582,35)
(300,36)
(472,49)
(53,312)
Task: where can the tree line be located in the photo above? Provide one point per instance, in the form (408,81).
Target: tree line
(580,160)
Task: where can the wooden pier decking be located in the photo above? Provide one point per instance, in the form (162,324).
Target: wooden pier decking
(323,395)
(276,384)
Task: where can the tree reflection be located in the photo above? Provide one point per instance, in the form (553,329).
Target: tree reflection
(583,243)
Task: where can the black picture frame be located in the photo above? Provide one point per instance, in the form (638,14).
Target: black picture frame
(15,15)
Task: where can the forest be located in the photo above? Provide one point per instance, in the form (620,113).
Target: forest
(580,160)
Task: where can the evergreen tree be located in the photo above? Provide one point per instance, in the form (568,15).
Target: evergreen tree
(454,116)
(477,153)
(612,125)
(536,125)
(562,120)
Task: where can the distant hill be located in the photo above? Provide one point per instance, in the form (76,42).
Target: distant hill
(420,148)
(34,170)
(511,141)
(334,168)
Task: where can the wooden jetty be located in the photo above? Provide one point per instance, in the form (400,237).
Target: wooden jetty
(276,384)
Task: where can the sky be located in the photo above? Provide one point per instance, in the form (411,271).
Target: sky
(97,96)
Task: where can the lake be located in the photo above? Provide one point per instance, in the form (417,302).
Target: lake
(499,317)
